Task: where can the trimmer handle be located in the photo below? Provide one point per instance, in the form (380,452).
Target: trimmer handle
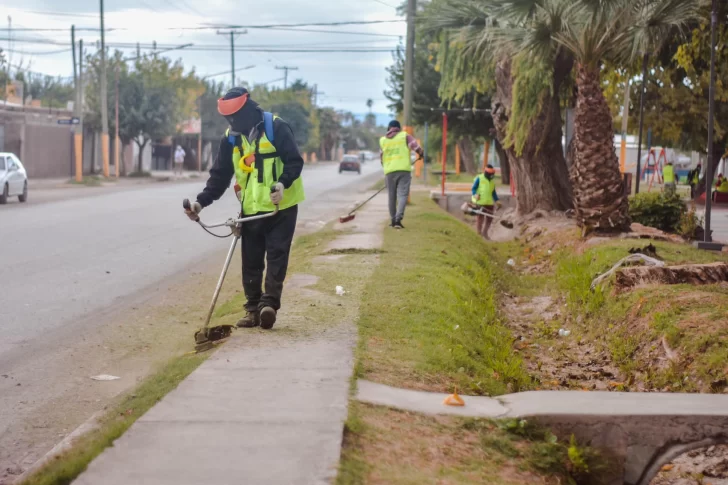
(188,207)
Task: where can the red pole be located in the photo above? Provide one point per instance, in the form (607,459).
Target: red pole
(444,151)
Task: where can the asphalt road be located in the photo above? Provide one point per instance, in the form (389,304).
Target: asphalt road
(62,260)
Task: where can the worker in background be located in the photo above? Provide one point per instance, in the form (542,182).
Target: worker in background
(394,153)
(179,160)
(694,179)
(721,186)
(668,177)
(268,171)
(486,200)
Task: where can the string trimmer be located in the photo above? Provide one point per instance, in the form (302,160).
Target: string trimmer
(206,336)
(468,209)
(351,215)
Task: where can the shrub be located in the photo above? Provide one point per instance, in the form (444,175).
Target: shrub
(660,210)
(690,225)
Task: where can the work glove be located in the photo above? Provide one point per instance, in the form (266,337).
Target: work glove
(193,213)
(477,196)
(498,205)
(276,194)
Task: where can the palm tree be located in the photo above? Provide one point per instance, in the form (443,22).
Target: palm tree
(592,31)
(370,103)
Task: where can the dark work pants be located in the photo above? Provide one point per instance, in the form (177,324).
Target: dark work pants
(269,237)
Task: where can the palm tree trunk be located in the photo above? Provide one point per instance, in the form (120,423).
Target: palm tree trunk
(539,172)
(599,197)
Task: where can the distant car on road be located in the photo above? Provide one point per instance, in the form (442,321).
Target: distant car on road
(13,178)
(350,163)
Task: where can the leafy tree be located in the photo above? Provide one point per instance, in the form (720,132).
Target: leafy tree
(676,96)
(525,103)
(54,92)
(213,125)
(329,129)
(155,96)
(615,31)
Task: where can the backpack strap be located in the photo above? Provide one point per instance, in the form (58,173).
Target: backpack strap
(268,122)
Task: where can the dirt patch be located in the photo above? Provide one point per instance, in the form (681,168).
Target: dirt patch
(354,251)
(402,447)
(698,467)
(556,357)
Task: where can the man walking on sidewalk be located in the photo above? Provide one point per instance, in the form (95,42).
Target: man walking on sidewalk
(179,160)
(485,198)
(261,152)
(394,152)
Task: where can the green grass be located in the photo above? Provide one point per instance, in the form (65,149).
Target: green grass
(429,313)
(115,422)
(88,180)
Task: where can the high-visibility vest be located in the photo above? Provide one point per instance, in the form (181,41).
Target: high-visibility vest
(696,177)
(723,187)
(668,174)
(254,186)
(395,153)
(485,191)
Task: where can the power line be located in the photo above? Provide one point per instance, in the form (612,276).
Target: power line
(228,72)
(304,24)
(61,14)
(384,3)
(37,53)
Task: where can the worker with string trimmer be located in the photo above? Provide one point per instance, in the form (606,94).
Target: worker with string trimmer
(395,155)
(485,200)
(259,150)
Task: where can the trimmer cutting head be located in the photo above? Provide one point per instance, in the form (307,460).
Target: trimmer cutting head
(205,338)
(345,219)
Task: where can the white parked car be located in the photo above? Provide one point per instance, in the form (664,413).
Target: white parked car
(13,178)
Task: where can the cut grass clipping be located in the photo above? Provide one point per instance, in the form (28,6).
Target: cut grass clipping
(65,468)
(428,316)
(383,445)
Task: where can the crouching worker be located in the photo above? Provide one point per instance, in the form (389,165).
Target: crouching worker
(486,199)
(259,150)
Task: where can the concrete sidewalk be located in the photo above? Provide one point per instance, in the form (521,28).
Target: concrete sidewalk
(266,408)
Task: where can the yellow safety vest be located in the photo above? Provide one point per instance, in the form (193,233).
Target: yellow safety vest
(485,191)
(256,194)
(395,153)
(723,187)
(668,174)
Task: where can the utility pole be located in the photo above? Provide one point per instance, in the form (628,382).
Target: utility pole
(711,112)
(116,124)
(625,122)
(643,88)
(232,33)
(73,54)
(104,99)
(78,108)
(285,70)
(409,65)
(139,52)
(9,59)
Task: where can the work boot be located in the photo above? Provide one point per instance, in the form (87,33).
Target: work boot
(398,225)
(250,320)
(267,318)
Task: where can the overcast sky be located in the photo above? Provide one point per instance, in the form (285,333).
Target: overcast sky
(346,78)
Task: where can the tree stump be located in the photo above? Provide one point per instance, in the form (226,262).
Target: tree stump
(693,274)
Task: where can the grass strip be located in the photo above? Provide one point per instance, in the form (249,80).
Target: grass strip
(428,316)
